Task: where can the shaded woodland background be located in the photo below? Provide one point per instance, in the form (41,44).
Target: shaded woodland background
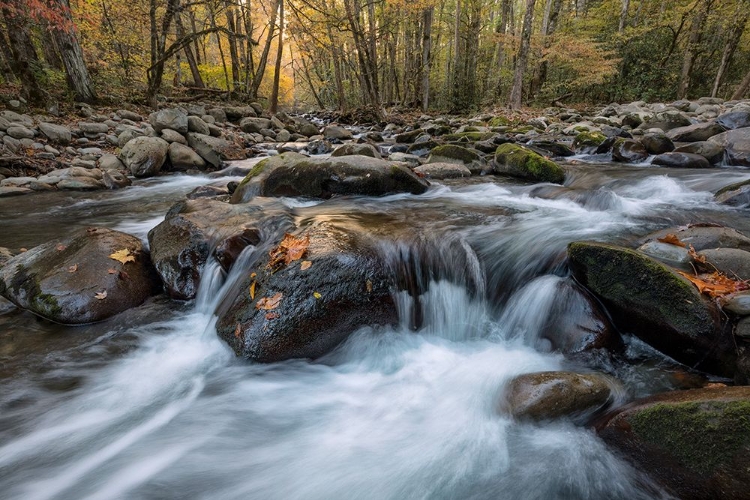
(447,55)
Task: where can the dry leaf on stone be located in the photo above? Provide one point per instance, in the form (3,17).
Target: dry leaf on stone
(111,270)
(123,256)
(238,331)
(268,303)
(716,284)
(101,295)
(317,295)
(272,315)
(290,249)
(252,291)
(672,239)
(60,247)
(73,268)
(305,265)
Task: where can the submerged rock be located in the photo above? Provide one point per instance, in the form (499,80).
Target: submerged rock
(695,443)
(292,174)
(653,302)
(552,395)
(518,161)
(681,160)
(75,281)
(307,307)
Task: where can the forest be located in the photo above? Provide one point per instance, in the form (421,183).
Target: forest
(444,55)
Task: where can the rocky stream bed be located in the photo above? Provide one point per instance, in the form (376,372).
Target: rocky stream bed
(211,302)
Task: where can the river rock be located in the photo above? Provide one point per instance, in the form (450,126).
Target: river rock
(711,151)
(703,237)
(408,137)
(332,132)
(80,184)
(695,443)
(253,125)
(518,161)
(215,149)
(628,151)
(653,302)
(144,156)
(309,312)
(69,281)
(181,244)
(109,162)
(588,142)
(680,160)
(17,131)
(695,132)
(553,395)
(90,128)
(129,115)
(182,157)
(671,255)
(114,179)
(442,171)
(733,262)
(450,153)
(8,191)
(736,143)
(171,118)
(735,195)
(737,303)
(57,134)
(292,174)
(657,143)
(357,149)
(665,120)
(171,136)
(734,119)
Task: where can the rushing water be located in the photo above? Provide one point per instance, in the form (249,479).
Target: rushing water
(153,405)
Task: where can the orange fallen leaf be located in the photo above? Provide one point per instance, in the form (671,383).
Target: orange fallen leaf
(60,247)
(715,284)
(22,250)
(290,249)
(101,295)
(694,255)
(269,303)
(73,268)
(305,265)
(252,291)
(123,256)
(672,239)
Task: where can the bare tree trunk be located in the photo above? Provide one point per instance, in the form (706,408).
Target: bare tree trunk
(48,49)
(233,57)
(501,29)
(197,79)
(624,15)
(260,71)
(426,48)
(72,57)
(729,48)
(743,87)
(523,53)
(155,73)
(548,29)
(277,69)
(691,51)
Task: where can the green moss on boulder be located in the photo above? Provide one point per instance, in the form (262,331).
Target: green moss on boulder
(587,142)
(518,161)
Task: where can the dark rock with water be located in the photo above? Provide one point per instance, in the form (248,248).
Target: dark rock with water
(735,195)
(734,119)
(334,132)
(588,142)
(732,262)
(703,237)
(76,281)
(695,443)
(653,302)
(695,132)
(181,157)
(628,151)
(292,174)
(711,151)
(657,144)
(293,312)
(409,137)
(144,156)
(518,161)
(680,160)
(736,144)
(553,395)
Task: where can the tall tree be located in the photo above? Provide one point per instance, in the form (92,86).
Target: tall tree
(693,46)
(24,59)
(72,56)
(277,68)
(523,54)
(426,49)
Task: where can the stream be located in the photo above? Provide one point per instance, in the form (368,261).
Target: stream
(153,405)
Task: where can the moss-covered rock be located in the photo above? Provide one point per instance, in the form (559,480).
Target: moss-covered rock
(518,161)
(449,153)
(735,195)
(653,302)
(69,281)
(357,149)
(587,142)
(292,174)
(694,443)
(469,136)
(499,121)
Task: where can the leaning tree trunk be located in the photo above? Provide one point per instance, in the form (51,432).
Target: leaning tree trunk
(72,57)
(743,88)
(523,54)
(277,68)
(23,56)
(729,48)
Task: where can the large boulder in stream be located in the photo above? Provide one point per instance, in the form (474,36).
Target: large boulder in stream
(215,150)
(144,156)
(307,295)
(694,443)
(87,277)
(293,174)
(735,195)
(703,236)
(518,161)
(193,229)
(653,302)
(680,160)
(736,144)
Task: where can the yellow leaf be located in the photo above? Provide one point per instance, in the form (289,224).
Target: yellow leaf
(317,295)
(252,291)
(305,265)
(124,256)
(101,295)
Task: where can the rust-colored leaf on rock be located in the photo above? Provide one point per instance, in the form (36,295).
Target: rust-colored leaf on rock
(123,256)
(238,331)
(290,249)
(60,247)
(672,239)
(73,268)
(111,270)
(268,303)
(715,284)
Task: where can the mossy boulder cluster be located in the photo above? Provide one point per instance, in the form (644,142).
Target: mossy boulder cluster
(521,162)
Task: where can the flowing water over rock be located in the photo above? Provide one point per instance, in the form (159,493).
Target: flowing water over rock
(152,404)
